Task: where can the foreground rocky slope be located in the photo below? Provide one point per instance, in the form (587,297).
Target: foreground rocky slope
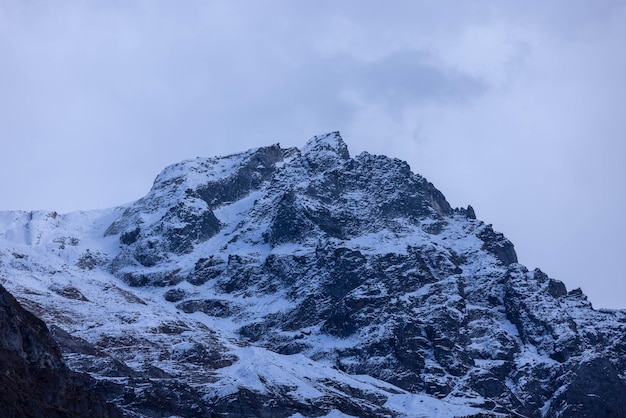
(34,381)
(279,282)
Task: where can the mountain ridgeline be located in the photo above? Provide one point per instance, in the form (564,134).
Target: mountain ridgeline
(306,282)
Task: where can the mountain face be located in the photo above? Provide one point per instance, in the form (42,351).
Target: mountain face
(289,283)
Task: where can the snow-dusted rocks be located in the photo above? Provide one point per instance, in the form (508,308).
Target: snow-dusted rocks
(286,282)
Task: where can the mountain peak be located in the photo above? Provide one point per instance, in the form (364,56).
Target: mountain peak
(329,145)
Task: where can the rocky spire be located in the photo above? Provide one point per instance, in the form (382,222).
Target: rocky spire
(325,151)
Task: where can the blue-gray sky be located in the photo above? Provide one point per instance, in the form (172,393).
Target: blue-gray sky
(516,108)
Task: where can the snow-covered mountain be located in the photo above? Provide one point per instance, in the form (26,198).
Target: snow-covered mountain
(295,283)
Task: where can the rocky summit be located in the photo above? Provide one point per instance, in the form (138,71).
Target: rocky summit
(302,283)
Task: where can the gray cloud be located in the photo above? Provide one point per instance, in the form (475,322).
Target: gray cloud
(406,78)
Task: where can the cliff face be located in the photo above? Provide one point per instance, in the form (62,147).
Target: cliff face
(34,381)
(283,281)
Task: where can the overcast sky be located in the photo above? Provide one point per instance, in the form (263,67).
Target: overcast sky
(517,108)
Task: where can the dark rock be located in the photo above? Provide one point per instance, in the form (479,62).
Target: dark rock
(130,237)
(69,292)
(291,223)
(470,212)
(165,398)
(340,322)
(193,352)
(240,273)
(246,403)
(498,245)
(211,307)
(489,386)
(175,295)
(206,269)
(34,380)
(596,390)
(156,278)
(89,260)
(196,226)
(150,252)
(556,288)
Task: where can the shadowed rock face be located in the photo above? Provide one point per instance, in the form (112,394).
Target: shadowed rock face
(596,390)
(354,263)
(34,381)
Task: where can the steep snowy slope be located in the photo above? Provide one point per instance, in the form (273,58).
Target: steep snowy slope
(279,282)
